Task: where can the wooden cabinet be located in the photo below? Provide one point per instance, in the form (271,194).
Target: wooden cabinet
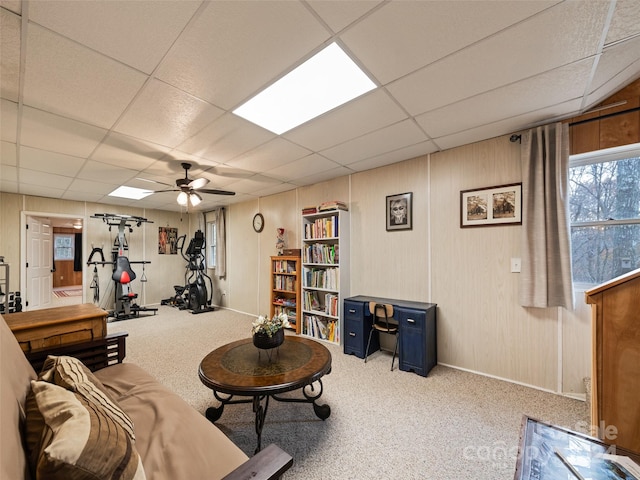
(357,326)
(285,288)
(615,381)
(325,278)
(51,327)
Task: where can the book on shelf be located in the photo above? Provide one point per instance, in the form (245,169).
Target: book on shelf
(332,205)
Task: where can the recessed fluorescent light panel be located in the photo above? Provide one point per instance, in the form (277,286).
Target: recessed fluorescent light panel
(130,192)
(325,81)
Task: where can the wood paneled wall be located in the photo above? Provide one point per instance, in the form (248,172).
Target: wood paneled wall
(609,127)
(64,275)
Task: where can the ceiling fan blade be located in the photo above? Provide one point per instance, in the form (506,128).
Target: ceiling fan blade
(216,192)
(198,183)
(168,190)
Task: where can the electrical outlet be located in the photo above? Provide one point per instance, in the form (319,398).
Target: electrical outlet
(516,265)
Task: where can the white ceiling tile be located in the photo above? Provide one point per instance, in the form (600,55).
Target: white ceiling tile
(81,84)
(100,188)
(491,63)
(51,162)
(363,115)
(8,186)
(43,179)
(625,22)
(81,196)
(395,156)
(283,187)
(604,91)
(270,155)
(13,5)
(338,15)
(401,37)
(311,165)
(615,60)
(135,33)
(10,57)
(106,173)
(507,126)
(119,149)
(528,95)
(165,115)
(226,138)
(254,183)
(52,132)
(9,121)
(234,48)
(322,176)
(385,140)
(40,190)
(8,154)
(8,173)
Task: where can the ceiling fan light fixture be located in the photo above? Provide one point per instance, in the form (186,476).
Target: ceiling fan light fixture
(195,199)
(183,198)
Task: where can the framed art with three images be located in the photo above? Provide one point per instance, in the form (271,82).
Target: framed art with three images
(484,207)
(400,211)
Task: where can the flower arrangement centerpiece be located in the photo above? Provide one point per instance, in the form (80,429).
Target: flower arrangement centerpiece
(269,332)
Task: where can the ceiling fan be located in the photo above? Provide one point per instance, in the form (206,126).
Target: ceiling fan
(190,189)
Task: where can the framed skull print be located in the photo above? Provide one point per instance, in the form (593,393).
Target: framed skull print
(400,211)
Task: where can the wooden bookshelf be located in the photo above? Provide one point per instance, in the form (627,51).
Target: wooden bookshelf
(325,273)
(285,288)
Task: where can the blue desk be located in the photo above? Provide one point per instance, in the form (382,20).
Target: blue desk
(417,346)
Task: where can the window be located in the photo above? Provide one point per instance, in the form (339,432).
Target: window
(212,234)
(604,188)
(63,246)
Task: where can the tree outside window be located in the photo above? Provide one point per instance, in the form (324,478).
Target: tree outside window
(605,214)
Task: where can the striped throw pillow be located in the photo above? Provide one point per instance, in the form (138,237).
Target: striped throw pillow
(79,439)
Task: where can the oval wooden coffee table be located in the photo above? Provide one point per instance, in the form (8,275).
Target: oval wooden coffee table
(241,369)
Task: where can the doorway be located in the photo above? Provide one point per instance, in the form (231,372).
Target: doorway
(51,258)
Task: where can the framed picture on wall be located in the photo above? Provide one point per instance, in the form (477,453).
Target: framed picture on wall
(400,211)
(499,205)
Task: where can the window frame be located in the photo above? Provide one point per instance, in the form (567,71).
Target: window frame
(601,156)
(212,244)
(72,237)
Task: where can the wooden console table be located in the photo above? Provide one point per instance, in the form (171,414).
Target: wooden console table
(52,327)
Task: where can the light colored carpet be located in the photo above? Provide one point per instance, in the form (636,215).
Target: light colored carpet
(383,425)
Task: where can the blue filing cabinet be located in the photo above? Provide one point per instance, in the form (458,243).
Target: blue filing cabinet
(357,325)
(417,343)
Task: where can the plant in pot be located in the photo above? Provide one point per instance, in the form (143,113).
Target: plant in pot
(269,332)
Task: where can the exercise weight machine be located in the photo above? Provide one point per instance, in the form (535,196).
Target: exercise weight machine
(122,273)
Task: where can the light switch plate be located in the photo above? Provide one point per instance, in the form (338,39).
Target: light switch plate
(515,265)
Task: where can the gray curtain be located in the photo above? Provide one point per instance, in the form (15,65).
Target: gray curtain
(221,244)
(545,280)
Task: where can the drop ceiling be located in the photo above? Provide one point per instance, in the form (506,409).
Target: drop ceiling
(98,94)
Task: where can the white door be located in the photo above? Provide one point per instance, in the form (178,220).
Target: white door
(39,264)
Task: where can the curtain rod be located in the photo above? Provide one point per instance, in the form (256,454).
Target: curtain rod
(517,137)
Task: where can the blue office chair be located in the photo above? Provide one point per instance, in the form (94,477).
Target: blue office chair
(382,322)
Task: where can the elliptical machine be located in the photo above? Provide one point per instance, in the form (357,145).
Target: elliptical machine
(193,295)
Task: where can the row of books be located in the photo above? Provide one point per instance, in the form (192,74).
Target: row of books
(318,302)
(284,282)
(328,278)
(284,266)
(325,206)
(321,328)
(287,302)
(321,253)
(326,227)
(291,313)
